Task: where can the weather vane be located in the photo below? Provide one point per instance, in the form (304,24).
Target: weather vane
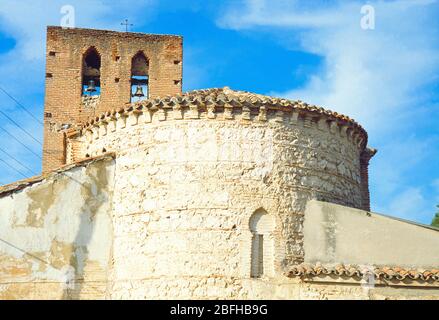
(126,24)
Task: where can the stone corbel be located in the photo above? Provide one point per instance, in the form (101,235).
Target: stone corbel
(161,114)
(322,124)
(279,116)
(349,132)
(307,121)
(193,111)
(133,117)
(294,117)
(211,111)
(262,113)
(177,112)
(245,113)
(103,128)
(89,135)
(112,124)
(95,130)
(228,111)
(333,126)
(353,135)
(145,116)
(343,130)
(121,120)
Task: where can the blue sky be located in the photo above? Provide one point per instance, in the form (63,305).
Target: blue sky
(387,78)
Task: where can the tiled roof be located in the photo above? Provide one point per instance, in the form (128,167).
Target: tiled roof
(354,271)
(221,96)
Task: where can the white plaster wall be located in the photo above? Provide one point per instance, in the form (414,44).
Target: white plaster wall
(56,235)
(337,234)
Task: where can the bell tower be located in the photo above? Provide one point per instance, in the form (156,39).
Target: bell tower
(93,71)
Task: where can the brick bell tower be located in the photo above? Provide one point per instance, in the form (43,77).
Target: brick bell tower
(92,71)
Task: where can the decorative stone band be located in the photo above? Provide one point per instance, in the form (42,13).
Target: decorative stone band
(309,271)
(224,104)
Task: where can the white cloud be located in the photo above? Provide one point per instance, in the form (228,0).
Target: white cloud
(279,14)
(409,204)
(379,77)
(370,75)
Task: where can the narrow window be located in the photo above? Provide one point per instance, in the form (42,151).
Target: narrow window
(257,256)
(139,77)
(261,227)
(91,73)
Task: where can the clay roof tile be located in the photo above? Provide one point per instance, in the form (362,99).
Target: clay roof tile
(385,272)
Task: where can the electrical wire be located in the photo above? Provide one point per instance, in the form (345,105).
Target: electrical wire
(15,169)
(18,161)
(22,129)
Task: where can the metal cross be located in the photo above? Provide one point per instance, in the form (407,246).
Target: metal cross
(126,24)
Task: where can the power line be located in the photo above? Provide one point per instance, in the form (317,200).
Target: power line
(18,161)
(25,109)
(25,252)
(1,160)
(67,280)
(13,137)
(27,133)
(21,105)
(16,170)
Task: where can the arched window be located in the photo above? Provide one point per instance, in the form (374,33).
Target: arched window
(139,77)
(262,251)
(91,73)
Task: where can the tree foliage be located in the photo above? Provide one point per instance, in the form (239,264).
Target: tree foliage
(435,222)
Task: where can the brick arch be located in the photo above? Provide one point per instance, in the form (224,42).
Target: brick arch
(140,64)
(261,222)
(262,226)
(91,67)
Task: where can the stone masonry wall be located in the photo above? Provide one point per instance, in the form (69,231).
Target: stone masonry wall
(55,246)
(186,189)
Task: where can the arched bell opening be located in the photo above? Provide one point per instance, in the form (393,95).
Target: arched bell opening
(139,77)
(91,73)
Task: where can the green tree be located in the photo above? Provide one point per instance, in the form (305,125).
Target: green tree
(435,222)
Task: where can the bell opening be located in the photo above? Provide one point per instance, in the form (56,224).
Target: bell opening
(139,77)
(91,87)
(139,88)
(91,73)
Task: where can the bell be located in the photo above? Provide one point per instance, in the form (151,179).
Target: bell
(139,92)
(91,86)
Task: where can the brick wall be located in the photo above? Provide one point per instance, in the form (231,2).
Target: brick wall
(64,105)
(365,157)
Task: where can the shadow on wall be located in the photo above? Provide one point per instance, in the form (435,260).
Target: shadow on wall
(93,200)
